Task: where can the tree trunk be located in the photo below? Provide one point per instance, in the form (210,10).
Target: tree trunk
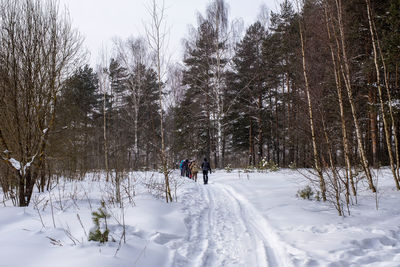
(156,40)
(373,130)
(394,128)
(251,146)
(345,69)
(277,135)
(336,181)
(382,105)
(345,142)
(260,130)
(310,112)
(105,133)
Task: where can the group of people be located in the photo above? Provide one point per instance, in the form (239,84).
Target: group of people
(190,169)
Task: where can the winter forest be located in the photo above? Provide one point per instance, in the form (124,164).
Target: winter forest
(306,98)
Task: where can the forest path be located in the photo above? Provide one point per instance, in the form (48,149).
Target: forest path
(224,230)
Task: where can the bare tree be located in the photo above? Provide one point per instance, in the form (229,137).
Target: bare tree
(156,33)
(134,57)
(338,82)
(386,125)
(38,50)
(217,15)
(345,71)
(104,84)
(310,113)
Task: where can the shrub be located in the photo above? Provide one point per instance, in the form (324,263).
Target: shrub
(100,230)
(318,197)
(248,169)
(272,166)
(228,168)
(305,193)
(292,166)
(263,165)
(267,165)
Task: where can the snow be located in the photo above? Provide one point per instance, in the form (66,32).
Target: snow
(15,163)
(29,163)
(238,219)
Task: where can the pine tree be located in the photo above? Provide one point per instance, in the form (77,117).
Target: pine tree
(196,107)
(100,230)
(77,112)
(247,94)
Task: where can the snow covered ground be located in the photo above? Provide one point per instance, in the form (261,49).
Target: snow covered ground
(238,219)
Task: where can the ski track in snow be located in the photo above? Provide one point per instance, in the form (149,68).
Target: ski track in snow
(224,230)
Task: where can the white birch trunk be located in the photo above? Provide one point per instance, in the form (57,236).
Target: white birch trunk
(346,75)
(382,105)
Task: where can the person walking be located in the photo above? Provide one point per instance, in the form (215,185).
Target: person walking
(205,166)
(186,168)
(194,169)
(182,169)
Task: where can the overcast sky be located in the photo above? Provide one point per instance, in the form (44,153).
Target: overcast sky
(101,20)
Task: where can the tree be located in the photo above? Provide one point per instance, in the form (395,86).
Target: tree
(346,75)
(248,92)
(382,105)
(38,49)
(134,57)
(194,118)
(217,18)
(74,137)
(283,58)
(311,115)
(156,35)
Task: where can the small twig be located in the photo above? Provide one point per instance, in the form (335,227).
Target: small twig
(35,204)
(55,242)
(80,221)
(120,243)
(140,254)
(52,211)
(88,199)
(70,236)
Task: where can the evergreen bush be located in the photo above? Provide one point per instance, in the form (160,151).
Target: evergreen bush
(100,230)
(228,168)
(305,193)
(272,166)
(248,169)
(293,166)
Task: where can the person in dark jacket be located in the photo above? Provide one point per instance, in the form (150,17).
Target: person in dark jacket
(186,168)
(205,166)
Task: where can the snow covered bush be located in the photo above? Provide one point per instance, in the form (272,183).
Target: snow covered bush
(228,168)
(155,185)
(272,166)
(265,165)
(248,169)
(292,166)
(100,230)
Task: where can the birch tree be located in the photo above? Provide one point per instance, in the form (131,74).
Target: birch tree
(386,125)
(345,71)
(217,16)
(311,114)
(135,58)
(104,87)
(156,33)
(338,83)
